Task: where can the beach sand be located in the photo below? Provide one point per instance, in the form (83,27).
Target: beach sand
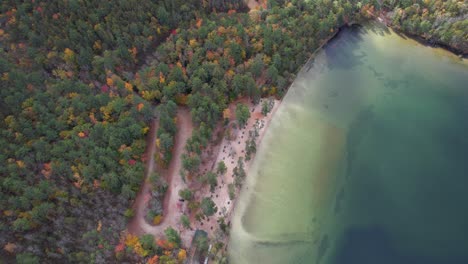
(229,150)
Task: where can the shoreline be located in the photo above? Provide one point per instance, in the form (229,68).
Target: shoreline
(382,18)
(430,43)
(230,149)
(216,153)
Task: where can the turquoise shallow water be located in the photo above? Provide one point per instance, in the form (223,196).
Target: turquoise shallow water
(366,160)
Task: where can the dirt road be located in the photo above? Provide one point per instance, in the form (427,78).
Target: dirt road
(138,224)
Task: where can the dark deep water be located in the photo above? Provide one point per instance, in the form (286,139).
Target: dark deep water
(407,170)
(366,161)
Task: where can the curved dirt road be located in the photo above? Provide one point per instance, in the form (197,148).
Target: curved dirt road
(172,213)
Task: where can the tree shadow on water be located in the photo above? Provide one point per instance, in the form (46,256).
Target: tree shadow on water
(376,28)
(341,51)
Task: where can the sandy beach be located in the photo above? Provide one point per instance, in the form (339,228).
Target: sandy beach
(229,151)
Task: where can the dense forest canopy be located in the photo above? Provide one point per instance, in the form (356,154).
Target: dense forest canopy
(442,22)
(81,80)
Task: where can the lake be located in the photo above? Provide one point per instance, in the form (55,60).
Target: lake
(365,161)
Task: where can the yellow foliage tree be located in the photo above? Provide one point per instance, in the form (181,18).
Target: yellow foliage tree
(106,112)
(129,86)
(26,215)
(193,43)
(20,163)
(99,227)
(230,73)
(139,250)
(97,45)
(109,81)
(222,30)
(5,76)
(182,255)
(62,74)
(226,113)
(258,46)
(131,240)
(272,91)
(72,95)
(8,213)
(157,220)
(68,55)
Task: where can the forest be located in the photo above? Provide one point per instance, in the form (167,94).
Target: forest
(81,81)
(439,22)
